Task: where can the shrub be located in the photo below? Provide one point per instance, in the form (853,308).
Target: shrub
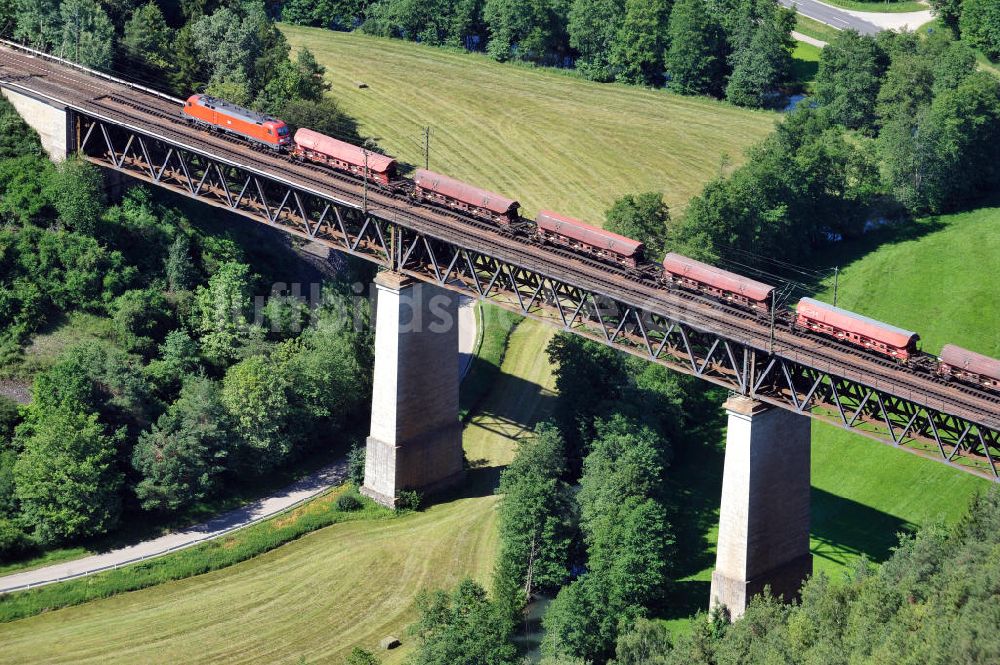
(356,464)
(14,542)
(349,502)
(408,500)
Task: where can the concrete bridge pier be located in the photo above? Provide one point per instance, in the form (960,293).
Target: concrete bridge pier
(51,122)
(416,437)
(764,513)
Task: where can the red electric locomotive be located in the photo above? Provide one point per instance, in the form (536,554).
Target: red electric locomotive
(586,239)
(441,189)
(227,117)
(727,286)
(856,330)
(342,156)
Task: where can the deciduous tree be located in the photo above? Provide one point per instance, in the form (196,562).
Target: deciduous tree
(38,23)
(87,33)
(641,42)
(255,393)
(980,25)
(593,28)
(148,38)
(66,479)
(642,217)
(222,311)
(851,69)
(77,193)
(762,55)
(536,520)
(462,627)
(695,61)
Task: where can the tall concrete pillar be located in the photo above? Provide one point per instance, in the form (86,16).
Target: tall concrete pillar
(764,513)
(51,123)
(416,437)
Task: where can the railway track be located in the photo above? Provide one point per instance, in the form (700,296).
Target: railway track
(158,115)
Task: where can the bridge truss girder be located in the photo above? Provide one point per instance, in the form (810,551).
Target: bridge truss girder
(380,235)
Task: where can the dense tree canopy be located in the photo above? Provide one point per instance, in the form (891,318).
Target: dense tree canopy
(762,54)
(67,482)
(593,26)
(536,519)
(980,25)
(182,456)
(641,42)
(695,61)
(462,627)
(851,69)
(628,539)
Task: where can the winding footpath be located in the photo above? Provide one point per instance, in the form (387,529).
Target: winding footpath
(295,494)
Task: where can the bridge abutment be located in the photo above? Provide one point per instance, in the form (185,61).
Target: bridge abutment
(764,512)
(52,123)
(416,436)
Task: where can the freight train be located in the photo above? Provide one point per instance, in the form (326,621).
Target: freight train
(676,271)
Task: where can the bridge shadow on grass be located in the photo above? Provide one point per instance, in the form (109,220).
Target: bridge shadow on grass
(504,416)
(843,529)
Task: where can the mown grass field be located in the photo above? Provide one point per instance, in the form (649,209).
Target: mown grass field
(315,598)
(545,137)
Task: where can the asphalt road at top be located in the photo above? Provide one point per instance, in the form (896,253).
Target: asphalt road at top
(832,16)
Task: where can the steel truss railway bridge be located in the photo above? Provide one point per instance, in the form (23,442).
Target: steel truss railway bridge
(139,132)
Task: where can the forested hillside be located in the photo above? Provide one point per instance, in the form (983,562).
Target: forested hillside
(202,370)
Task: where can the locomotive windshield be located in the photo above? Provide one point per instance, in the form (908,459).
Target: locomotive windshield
(282,131)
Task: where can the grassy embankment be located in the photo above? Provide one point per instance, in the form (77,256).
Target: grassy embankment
(551,140)
(815,29)
(805,65)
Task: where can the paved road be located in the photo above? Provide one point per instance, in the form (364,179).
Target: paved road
(838,18)
(297,492)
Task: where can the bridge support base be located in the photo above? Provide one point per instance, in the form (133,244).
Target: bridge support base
(416,437)
(764,513)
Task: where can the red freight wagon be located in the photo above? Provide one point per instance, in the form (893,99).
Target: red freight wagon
(855,329)
(343,156)
(969,366)
(430,186)
(583,237)
(218,113)
(716,282)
